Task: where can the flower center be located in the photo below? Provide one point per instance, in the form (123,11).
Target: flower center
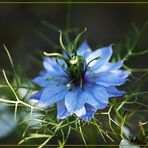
(76,69)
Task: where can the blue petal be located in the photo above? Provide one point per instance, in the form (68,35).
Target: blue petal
(80,112)
(102,105)
(84,50)
(61,110)
(116,66)
(90,111)
(49,78)
(104,54)
(98,92)
(92,94)
(41,81)
(51,66)
(107,79)
(52,95)
(114,92)
(75,99)
(51,74)
(109,67)
(37,95)
(91,100)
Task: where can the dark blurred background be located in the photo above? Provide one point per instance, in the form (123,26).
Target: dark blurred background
(106,23)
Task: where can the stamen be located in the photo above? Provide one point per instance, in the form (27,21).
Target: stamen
(77,39)
(61,41)
(50,78)
(69,84)
(58,84)
(62,45)
(54,55)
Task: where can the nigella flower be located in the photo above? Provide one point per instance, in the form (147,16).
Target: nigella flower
(80,81)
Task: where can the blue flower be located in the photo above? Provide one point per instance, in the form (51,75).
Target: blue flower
(80,82)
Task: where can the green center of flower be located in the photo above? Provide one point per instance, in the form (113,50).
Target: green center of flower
(76,69)
(76,65)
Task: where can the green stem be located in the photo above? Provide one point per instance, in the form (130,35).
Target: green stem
(25,87)
(136,41)
(140,53)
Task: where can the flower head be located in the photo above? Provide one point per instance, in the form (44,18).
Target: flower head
(79,81)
